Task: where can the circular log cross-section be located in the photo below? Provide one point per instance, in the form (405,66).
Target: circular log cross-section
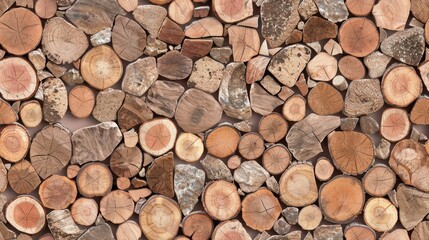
(181,11)
(81,101)
(57,192)
(14,142)
(351,67)
(294,108)
(189,147)
(94,179)
(310,217)
(198,225)
(341,199)
(222,141)
(276,159)
(45,8)
(160,218)
(157,136)
(51,150)
(84,211)
(18,79)
(221,200)
(356,231)
(26,214)
(126,162)
(22,177)
(395,124)
(352,152)
(21,31)
(298,186)
(117,206)
(323,169)
(324,99)
(101,67)
(31,113)
(128,230)
(251,146)
(401,86)
(232,229)
(360,8)
(273,127)
(379,180)
(380,214)
(260,210)
(232,12)
(358,36)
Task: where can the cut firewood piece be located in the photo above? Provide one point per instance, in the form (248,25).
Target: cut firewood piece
(94,179)
(221,200)
(22,177)
(401,85)
(358,36)
(126,162)
(310,217)
(341,199)
(174,65)
(317,28)
(395,124)
(160,2)
(3,185)
(409,160)
(298,186)
(360,8)
(128,5)
(170,32)
(18,79)
(251,146)
(81,101)
(26,214)
(181,11)
(57,192)
(324,99)
(234,162)
(160,218)
(261,209)
(294,108)
(198,225)
(123,183)
(323,169)
(273,127)
(117,206)
(31,113)
(323,67)
(420,112)
(256,68)
(276,159)
(128,230)
(380,214)
(413,205)
(356,231)
(133,112)
(128,38)
(397,234)
(14,142)
(391,15)
(351,67)
(379,180)
(206,27)
(51,150)
(363,97)
(352,152)
(72,171)
(189,147)
(421,231)
(101,67)
(45,8)
(163,96)
(230,13)
(228,229)
(7,114)
(55,100)
(196,48)
(150,17)
(84,211)
(62,42)
(419,10)
(160,175)
(222,141)
(157,136)
(245,42)
(20,37)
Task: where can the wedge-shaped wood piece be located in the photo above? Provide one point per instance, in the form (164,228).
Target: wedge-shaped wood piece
(198,225)
(20,37)
(62,42)
(401,85)
(160,177)
(51,150)
(170,32)
(229,228)
(379,180)
(128,5)
(222,141)
(420,231)
(174,65)
(162,97)
(245,43)
(317,28)
(392,15)
(413,205)
(26,214)
(341,199)
(134,111)
(324,99)
(14,142)
(117,206)
(420,111)
(419,10)
(84,211)
(358,37)
(395,124)
(94,179)
(298,186)
(206,27)
(221,200)
(150,17)
(260,209)
(57,192)
(18,79)
(7,114)
(380,214)
(256,68)
(153,221)
(157,136)
(93,17)
(196,48)
(126,161)
(22,177)
(128,38)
